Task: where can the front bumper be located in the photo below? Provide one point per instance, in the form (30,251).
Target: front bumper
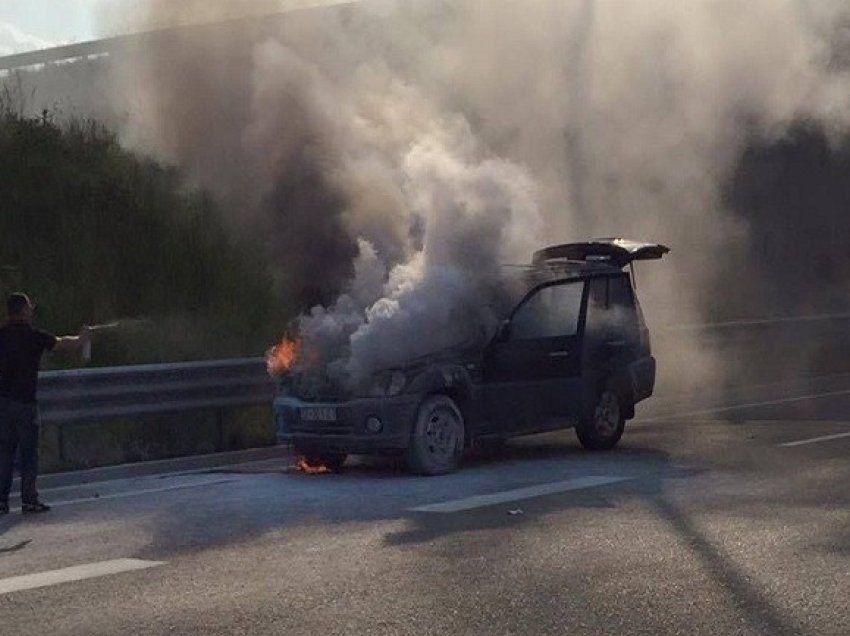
(347,431)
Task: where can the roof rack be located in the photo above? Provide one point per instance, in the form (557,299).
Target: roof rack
(561,264)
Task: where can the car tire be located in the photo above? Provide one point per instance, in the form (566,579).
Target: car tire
(603,426)
(332,459)
(437,439)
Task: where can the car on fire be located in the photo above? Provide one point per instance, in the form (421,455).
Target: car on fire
(574,351)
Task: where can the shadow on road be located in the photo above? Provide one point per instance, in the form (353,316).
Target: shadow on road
(16,547)
(644,471)
(381,490)
(370,492)
(763,615)
(742,593)
(7,523)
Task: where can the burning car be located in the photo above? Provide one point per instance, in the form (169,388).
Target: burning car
(574,351)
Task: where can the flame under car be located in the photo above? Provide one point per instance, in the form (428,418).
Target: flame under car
(573,352)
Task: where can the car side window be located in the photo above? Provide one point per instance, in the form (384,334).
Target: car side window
(552,312)
(620,292)
(610,306)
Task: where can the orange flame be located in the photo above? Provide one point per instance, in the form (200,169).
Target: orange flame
(304,466)
(282,356)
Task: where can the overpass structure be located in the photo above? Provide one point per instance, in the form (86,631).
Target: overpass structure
(108,46)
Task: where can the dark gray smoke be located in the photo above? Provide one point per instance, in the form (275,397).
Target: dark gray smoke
(394,153)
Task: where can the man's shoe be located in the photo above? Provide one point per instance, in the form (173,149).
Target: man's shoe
(33,508)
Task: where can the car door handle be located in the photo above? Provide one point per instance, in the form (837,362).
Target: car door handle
(559,354)
(616,343)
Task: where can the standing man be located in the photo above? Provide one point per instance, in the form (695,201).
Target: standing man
(21,348)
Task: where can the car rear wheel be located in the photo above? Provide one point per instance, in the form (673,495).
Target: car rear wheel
(603,427)
(436,441)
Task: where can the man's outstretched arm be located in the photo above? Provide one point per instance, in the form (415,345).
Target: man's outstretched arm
(72,344)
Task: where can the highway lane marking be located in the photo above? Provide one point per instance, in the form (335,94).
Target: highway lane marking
(135,493)
(814,440)
(481,501)
(75,573)
(750,405)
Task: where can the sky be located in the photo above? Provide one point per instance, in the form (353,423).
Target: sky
(27,24)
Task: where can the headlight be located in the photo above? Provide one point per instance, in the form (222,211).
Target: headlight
(387,384)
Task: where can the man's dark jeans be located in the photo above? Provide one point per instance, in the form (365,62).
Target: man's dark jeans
(18,432)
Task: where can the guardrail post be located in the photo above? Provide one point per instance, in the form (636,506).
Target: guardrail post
(60,443)
(219,429)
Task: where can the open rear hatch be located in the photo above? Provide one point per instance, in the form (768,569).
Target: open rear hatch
(615,251)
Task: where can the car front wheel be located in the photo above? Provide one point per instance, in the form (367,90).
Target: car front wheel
(603,426)
(437,438)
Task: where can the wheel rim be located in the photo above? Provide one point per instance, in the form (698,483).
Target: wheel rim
(607,415)
(441,435)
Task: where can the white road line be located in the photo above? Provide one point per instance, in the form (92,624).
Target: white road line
(480,501)
(814,440)
(76,573)
(134,493)
(750,405)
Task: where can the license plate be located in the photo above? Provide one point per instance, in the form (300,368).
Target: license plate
(318,414)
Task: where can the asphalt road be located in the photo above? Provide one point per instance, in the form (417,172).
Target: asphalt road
(704,521)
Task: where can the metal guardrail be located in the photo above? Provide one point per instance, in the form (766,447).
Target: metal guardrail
(85,394)
(747,336)
(757,323)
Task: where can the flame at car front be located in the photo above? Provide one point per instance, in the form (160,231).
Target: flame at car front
(281,358)
(305,466)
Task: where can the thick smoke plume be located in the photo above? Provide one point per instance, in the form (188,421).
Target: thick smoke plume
(390,154)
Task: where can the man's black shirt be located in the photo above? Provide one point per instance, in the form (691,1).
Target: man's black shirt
(21,348)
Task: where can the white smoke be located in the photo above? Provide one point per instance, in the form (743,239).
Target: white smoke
(476,213)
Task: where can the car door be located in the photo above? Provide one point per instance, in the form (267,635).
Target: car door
(533,367)
(612,329)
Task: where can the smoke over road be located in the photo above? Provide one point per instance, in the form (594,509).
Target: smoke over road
(392,154)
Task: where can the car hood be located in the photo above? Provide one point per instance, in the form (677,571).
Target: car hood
(315,386)
(458,353)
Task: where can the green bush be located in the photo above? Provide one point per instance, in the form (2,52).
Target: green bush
(95,233)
